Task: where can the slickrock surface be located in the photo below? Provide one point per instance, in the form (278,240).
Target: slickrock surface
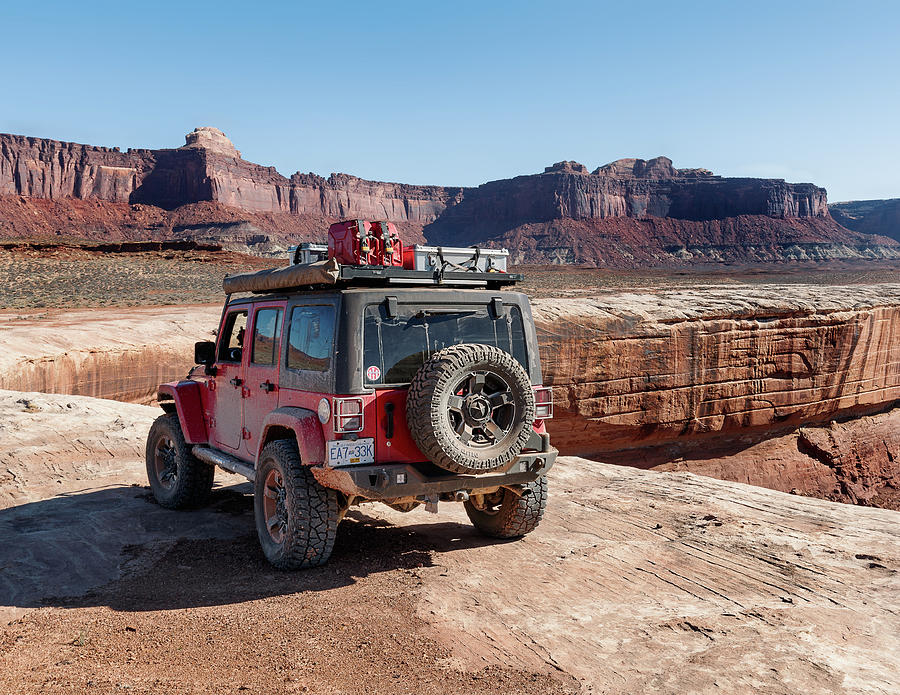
(121,354)
(56,445)
(68,508)
(628,213)
(635,581)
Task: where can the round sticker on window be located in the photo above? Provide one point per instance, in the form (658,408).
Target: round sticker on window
(373,373)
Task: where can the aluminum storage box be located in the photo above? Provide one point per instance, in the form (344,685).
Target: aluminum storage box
(454,259)
(308,253)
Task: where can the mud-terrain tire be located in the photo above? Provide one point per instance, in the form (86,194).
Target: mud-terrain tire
(470,408)
(296,516)
(178,480)
(507,515)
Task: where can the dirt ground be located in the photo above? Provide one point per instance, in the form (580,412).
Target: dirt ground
(80,277)
(635,582)
(66,276)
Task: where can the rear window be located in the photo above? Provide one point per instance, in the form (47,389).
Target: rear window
(395,348)
(310,338)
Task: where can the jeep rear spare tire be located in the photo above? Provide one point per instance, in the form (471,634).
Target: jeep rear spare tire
(470,408)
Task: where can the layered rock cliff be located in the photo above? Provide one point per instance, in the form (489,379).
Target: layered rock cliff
(635,213)
(206,168)
(629,212)
(709,380)
(869,216)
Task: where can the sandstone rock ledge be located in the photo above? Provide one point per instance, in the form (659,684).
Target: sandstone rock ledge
(120,354)
(682,377)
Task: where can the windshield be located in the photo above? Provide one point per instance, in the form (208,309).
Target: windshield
(395,348)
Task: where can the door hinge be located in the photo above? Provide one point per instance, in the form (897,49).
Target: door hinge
(245,433)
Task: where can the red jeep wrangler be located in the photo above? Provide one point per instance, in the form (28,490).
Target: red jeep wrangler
(334,384)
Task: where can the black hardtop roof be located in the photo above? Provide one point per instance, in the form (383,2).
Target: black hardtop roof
(418,295)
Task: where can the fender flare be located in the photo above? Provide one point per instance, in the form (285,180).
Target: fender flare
(188,406)
(305,425)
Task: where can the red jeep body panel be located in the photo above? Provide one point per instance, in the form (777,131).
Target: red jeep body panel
(259,393)
(400,448)
(306,427)
(189,406)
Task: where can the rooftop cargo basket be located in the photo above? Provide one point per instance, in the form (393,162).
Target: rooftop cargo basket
(330,274)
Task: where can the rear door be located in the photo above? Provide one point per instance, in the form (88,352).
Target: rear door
(229,380)
(261,372)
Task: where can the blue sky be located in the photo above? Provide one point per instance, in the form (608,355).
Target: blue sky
(459,93)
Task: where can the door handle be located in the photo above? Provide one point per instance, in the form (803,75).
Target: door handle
(267,386)
(389,423)
(236,382)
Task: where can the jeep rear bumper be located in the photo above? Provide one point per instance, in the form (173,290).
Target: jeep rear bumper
(381,482)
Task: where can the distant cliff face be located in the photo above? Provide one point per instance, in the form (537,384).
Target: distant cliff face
(207,168)
(624,189)
(870,216)
(50,169)
(628,212)
(633,212)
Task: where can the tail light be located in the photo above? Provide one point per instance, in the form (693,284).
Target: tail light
(348,414)
(543,403)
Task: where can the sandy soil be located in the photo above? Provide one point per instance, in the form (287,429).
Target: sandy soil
(635,582)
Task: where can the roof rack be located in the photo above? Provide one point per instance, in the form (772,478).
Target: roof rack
(392,275)
(330,274)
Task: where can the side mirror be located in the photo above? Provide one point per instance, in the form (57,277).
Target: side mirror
(204,352)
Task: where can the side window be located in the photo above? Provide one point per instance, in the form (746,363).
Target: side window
(266,336)
(231,342)
(311,338)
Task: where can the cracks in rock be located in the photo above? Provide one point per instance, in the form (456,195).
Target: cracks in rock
(807,447)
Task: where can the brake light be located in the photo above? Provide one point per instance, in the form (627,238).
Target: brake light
(348,414)
(543,403)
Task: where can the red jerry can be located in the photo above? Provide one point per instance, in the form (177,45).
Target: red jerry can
(390,248)
(352,243)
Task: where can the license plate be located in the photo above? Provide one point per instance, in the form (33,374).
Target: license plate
(346,452)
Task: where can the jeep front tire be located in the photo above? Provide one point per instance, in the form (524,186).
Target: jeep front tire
(177,479)
(470,408)
(296,517)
